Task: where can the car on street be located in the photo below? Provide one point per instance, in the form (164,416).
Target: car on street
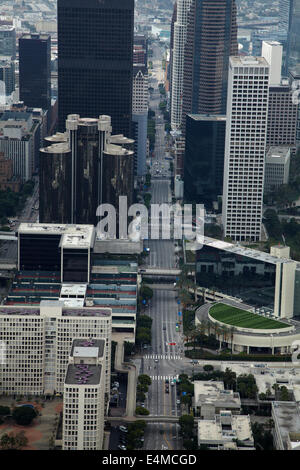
(122,447)
(123,428)
(193,361)
(178,402)
(167,381)
(155,360)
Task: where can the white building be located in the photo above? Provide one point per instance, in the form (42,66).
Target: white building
(180,27)
(83,410)
(226,432)
(38,341)
(272,52)
(245,146)
(277,167)
(140,116)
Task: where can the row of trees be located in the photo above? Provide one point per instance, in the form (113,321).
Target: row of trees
(11,203)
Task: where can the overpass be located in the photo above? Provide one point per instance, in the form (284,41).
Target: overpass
(170,273)
(148,419)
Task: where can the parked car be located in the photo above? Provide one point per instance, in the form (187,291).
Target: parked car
(178,402)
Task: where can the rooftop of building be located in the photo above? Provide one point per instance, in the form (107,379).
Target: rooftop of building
(213,392)
(248,61)
(83,374)
(72,236)
(120,139)
(211,430)
(208,117)
(58,307)
(287,419)
(245,251)
(39,36)
(58,137)
(15,115)
(278,154)
(87,348)
(61,147)
(116,150)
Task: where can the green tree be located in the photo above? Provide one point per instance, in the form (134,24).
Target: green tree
(140,410)
(24,415)
(144,379)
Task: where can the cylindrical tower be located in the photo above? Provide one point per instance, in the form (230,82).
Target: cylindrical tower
(55,184)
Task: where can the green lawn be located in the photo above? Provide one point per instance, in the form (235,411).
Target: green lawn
(243,319)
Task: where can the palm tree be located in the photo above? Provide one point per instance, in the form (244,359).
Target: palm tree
(232,331)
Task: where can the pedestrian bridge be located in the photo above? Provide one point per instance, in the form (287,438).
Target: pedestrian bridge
(160,271)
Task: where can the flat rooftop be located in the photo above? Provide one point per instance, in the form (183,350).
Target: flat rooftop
(72,236)
(244,251)
(208,117)
(287,419)
(88,348)
(251,61)
(83,374)
(66,312)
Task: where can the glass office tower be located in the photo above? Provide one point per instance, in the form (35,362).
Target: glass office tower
(95,54)
(204,158)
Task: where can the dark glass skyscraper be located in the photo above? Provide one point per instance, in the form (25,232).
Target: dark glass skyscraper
(210,40)
(95,53)
(35,70)
(293,46)
(204,158)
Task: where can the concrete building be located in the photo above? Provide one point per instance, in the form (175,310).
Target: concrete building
(277,168)
(140,117)
(19,141)
(282,111)
(226,432)
(286,417)
(180,28)
(8,44)
(83,411)
(210,398)
(38,343)
(258,279)
(245,147)
(179,149)
(7,180)
(7,74)
(272,52)
(56,247)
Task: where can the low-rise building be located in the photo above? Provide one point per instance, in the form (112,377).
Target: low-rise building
(286,417)
(277,167)
(210,398)
(226,431)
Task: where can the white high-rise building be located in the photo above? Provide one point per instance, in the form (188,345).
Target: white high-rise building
(38,342)
(140,95)
(83,411)
(180,27)
(272,52)
(245,147)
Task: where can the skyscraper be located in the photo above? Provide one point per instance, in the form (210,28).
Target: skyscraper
(245,147)
(140,116)
(95,50)
(204,157)
(8,41)
(177,61)
(35,70)
(293,46)
(210,39)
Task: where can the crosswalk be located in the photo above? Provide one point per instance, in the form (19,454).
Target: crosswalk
(162,378)
(169,357)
